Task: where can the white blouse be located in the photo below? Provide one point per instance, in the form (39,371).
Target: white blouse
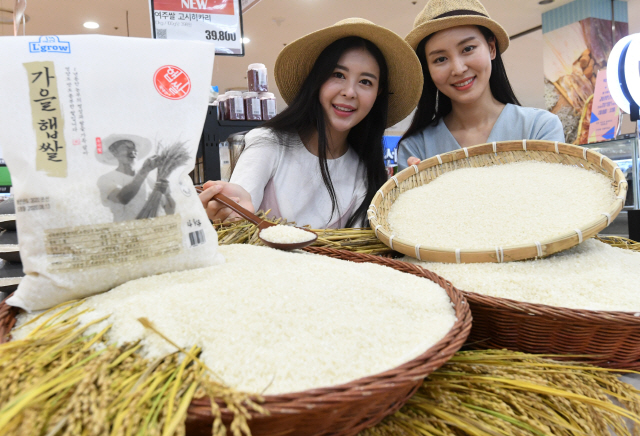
(286,178)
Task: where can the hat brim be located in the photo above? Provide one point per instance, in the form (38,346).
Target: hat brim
(296,60)
(430,27)
(143,147)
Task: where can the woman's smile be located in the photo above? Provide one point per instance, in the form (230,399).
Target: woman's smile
(464,84)
(343,110)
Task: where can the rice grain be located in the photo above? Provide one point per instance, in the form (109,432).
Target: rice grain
(501,205)
(281,234)
(591,276)
(280,322)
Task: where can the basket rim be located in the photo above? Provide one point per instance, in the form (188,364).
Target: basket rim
(557,312)
(410,373)
(505,253)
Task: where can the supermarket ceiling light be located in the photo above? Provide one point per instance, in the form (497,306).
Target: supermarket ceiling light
(246,40)
(623,75)
(91,25)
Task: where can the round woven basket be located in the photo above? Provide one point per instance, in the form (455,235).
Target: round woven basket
(607,339)
(337,410)
(496,153)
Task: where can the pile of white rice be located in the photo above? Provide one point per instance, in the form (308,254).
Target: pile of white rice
(281,321)
(285,234)
(592,275)
(501,205)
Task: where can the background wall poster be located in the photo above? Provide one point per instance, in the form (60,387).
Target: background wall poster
(572,56)
(215,21)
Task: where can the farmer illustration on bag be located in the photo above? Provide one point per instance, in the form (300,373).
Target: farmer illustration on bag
(128,192)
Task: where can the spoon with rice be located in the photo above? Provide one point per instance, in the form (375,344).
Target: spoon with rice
(273,235)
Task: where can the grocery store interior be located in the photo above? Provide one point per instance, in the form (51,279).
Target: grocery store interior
(524,335)
(271,24)
(268,25)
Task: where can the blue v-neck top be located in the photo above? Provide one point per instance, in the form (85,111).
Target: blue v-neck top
(514,123)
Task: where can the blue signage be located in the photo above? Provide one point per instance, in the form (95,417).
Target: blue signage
(50,44)
(390,149)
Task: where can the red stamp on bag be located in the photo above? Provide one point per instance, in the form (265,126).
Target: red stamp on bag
(171,82)
(99,145)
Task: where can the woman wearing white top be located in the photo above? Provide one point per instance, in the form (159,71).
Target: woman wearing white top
(467,98)
(320,161)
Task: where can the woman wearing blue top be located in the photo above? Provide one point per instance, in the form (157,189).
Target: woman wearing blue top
(466,98)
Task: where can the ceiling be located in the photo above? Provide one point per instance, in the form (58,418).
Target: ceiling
(271,24)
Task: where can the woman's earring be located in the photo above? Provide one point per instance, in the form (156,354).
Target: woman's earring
(437,98)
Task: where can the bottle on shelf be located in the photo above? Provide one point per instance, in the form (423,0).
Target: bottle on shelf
(252,108)
(234,106)
(257,80)
(268,105)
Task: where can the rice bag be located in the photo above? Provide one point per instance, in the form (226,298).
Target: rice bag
(100,134)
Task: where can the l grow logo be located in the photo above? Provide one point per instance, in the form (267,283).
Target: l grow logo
(50,44)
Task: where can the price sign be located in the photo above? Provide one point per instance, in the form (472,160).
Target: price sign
(215,21)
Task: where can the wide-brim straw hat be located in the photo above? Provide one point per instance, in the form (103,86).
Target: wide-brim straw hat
(143,147)
(296,60)
(438,15)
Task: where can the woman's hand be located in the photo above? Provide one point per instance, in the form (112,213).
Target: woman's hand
(413,161)
(218,212)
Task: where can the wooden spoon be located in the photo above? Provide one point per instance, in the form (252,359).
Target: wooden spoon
(262,224)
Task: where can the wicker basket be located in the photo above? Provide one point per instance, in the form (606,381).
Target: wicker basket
(608,339)
(486,155)
(338,410)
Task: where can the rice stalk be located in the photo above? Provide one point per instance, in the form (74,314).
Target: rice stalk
(619,242)
(358,240)
(78,384)
(477,393)
(509,393)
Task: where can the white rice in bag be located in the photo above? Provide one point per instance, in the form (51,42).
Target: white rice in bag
(100,134)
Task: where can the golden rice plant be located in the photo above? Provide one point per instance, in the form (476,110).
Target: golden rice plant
(357,240)
(620,242)
(59,380)
(500,393)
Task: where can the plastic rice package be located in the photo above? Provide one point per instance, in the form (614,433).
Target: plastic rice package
(100,134)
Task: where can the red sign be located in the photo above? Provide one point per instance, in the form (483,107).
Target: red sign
(218,7)
(171,82)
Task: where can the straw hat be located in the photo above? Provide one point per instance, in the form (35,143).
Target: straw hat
(296,60)
(443,14)
(143,147)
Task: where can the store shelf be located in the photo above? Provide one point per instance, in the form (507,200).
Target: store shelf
(214,132)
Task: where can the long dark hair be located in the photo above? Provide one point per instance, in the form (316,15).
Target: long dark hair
(305,115)
(428,115)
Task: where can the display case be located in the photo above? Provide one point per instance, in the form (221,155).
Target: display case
(215,131)
(624,152)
